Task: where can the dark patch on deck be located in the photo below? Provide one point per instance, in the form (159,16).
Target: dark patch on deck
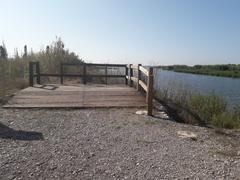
(77,96)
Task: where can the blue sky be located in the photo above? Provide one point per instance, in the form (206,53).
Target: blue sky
(128,31)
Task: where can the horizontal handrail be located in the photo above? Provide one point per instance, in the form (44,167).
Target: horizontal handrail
(143,70)
(134,66)
(94,64)
(80,75)
(143,85)
(84,74)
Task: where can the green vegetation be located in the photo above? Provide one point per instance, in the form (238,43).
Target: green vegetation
(195,108)
(228,70)
(14,70)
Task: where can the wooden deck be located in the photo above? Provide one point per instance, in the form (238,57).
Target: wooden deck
(77,96)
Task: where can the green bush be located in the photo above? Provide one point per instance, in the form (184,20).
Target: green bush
(225,120)
(207,106)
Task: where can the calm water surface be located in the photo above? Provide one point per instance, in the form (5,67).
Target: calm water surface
(229,88)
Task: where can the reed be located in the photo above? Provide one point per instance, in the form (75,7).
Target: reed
(14,71)
(195,108)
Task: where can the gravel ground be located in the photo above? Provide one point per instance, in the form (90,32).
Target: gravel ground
(110,144)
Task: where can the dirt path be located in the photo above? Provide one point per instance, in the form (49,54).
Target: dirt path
(110,144)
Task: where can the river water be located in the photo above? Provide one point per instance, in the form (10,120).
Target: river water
(229,88)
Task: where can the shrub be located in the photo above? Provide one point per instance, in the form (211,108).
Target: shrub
(225,120)
(207,106)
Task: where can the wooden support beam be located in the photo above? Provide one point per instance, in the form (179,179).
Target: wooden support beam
(134,66)
(30,73)
(134,79)
(131,75)
(126,73)
(150,92)
(143,70)
(61,73)
(106,74)
(84,74)
(138,77)
(38,72)
(80,75)
(143,85)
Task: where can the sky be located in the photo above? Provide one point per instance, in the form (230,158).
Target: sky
(151,32)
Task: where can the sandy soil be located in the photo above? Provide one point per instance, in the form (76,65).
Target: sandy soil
(110,144)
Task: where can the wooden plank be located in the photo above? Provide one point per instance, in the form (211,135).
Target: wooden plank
(80,99)
(134,79)
(134,66)
(143,85)
(72,105)
(77,97)
(143,70)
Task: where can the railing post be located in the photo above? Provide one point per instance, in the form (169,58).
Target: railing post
(38,72)
(61,73)
(138,77)
(126,73)
(31,74)
(130,75)
(84,73)
(106,73)
(150,92)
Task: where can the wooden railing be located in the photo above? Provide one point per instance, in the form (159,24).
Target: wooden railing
(34,72)
(130,79)
(140,84)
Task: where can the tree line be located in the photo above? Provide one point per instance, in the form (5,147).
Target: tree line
(225,70)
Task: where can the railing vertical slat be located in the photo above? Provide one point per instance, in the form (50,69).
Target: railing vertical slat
(131,75)
(38,72)
(106,73)
(84,74)
(30,73)
(126,73)
(138,77)
(150,92)
(61,73)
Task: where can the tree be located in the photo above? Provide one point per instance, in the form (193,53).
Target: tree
(3,51)
(25,51)
(58,47)
(16,55)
